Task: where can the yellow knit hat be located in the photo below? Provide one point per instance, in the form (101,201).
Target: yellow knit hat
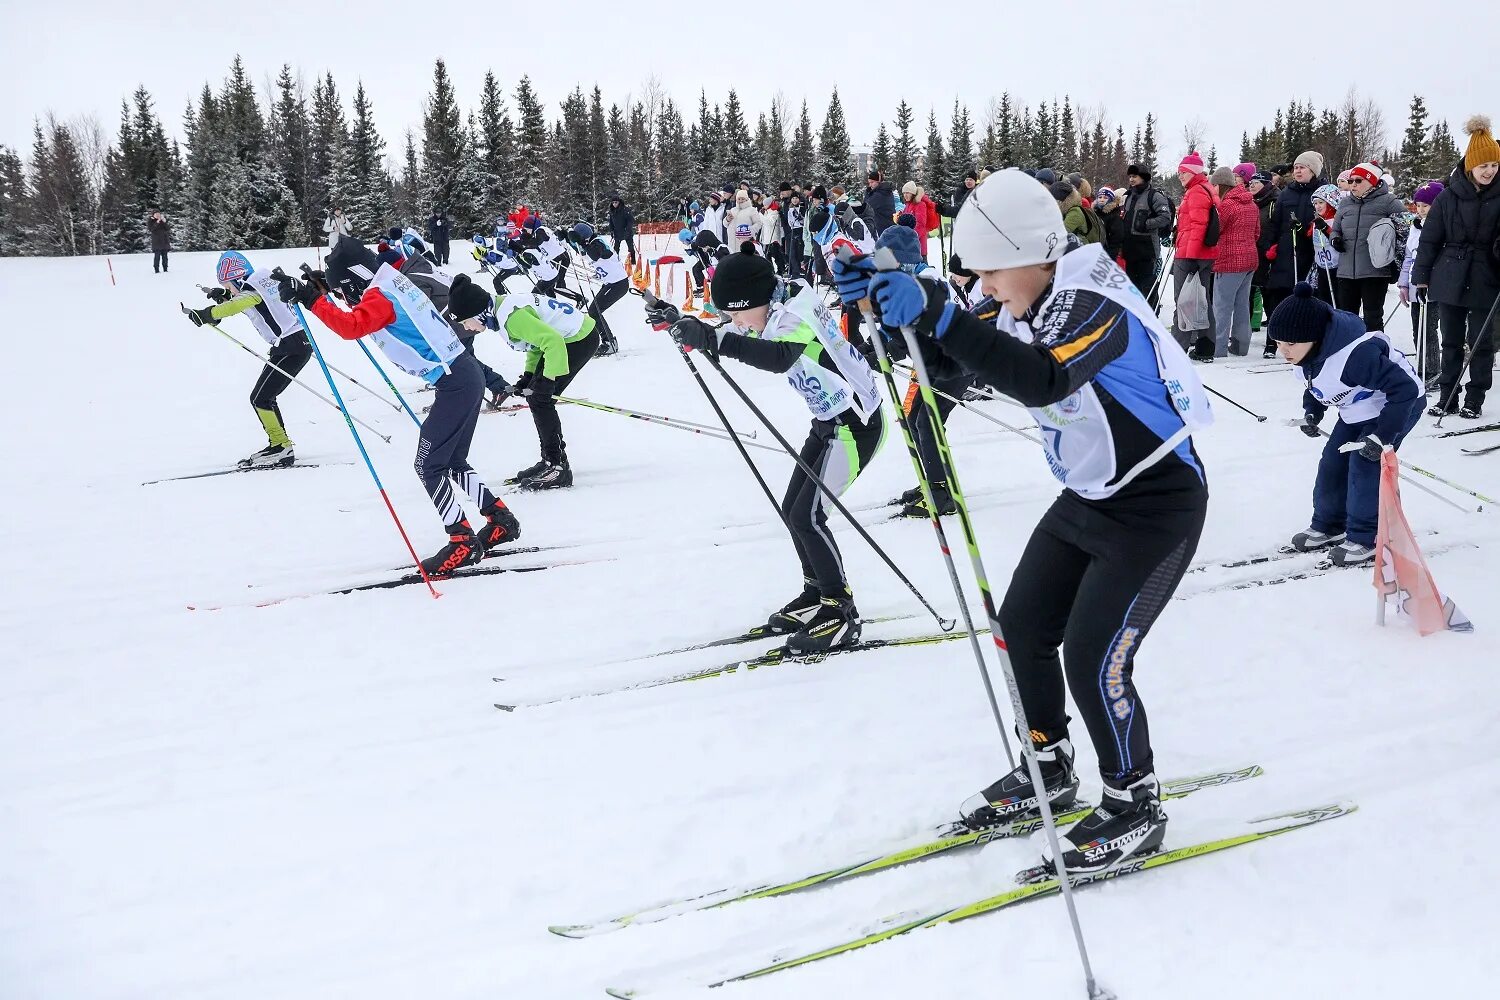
(1482,145)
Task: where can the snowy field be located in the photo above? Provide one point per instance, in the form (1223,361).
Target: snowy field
(317,799)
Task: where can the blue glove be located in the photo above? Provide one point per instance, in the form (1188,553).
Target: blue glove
(853,279)
(904,300)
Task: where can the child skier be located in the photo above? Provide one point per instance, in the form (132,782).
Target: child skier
(242,289)
(1325,202)
(792,332)
(420,325)
(613,284)
(537,236)
(1117,401)
(1379,399)
(558,341)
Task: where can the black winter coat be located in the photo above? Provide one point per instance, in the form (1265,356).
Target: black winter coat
(161,235)
(1114,231)
(1148,217)
(1456,259)
(1265,204)
(880,207)
(621,220)
(438,229)
(1287,231)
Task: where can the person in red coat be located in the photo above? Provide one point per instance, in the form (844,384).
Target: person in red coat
(1235,263)
(519,216)
(1192,256)
(921,208)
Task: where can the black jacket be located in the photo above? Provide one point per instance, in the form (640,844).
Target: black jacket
(1265,204)
(1148,217)
(1456,258)
(621,221)
(880,207)
(1114,231)
(161,235)
(1287,232)
(438,228)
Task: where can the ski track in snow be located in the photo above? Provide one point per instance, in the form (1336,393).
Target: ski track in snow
(317,799)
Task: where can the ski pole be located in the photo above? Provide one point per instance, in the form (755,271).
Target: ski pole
(680,425)
(983,415)
(946,624)
(1260,418)
(1028,750)
(379,486)
(877,338)
(1470,341)
(1357,445)
(286,374)
(337,371)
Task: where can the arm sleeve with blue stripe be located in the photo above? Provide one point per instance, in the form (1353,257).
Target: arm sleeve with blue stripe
(1373,368)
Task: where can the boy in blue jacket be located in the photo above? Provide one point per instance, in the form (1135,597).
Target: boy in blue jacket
(1379,399)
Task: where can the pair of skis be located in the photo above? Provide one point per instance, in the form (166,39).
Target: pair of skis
(239,469)
(1034,883)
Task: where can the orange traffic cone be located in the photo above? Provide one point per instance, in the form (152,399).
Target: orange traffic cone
(708,298)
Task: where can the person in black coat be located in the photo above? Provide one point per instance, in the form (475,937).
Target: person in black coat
(621,225)
(1148,217)
(438,230)
(1286,241)
(161,240)
(1264,192)
(1457,264)
(1110,208)
(880,203)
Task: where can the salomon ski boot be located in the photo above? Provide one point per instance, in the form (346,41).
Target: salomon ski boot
(834,625)
(270,457)
(463,549)
(1127,823)
(1012,797)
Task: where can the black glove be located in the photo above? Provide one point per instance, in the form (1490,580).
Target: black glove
(661,314)
(1309,425)
(540,387)
(216,294)
(1372,450)
(522,384)
(318,279)
(1321,224)
(895,344)
(290,290)
(204,316)
(1338,243)
(693,333)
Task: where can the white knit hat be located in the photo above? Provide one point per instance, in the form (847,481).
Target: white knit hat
(1009,220)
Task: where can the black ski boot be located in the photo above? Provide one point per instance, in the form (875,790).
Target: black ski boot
(463,549)
(834,625)
(500,526)
(554,476)
(1012,797)
(527,473)
(1128,822)
(940,496)
(270,457)
(1311,541)
(908,498)
(797,612)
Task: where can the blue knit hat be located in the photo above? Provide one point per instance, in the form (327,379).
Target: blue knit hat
(902,243)
(1301,318)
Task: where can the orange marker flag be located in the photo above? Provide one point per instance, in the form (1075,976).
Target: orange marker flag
(1400,570)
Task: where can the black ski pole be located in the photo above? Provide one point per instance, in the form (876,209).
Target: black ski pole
(1471,341)
(1258,417)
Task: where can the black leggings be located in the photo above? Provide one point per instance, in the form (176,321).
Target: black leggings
(838,453)
(1461,331)
(544,408)
(291,356)
(921,427)
(445,436)
(1092,580)
(608,296)
(1364,295)
(158,260)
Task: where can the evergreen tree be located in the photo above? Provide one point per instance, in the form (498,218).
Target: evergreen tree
(201,168)
(327,133)
(1412,157)
(619,161)
(1247,151)
(1043,139)
(472,184)
(706,146)
(290,146)
(1068,154)
(1213,159)
(904,147)
(1442,152)
(364,188)
(777,165)
(676,172)
(960,141)
(833,144)
(531,144)
(639,179)
(737,162)
(14,237)
(1148,145)
(601,182)
(1001,138)
(442,142)
(935,168)
(880,154)
(991,147)
(408,188)
(122,228)
(573,169)
(497,150)
(801,156)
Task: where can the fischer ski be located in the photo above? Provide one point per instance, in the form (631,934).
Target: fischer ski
(1481,451)
(238,469)
(1469,430)
(750,635)
(1260,829)
(945,838)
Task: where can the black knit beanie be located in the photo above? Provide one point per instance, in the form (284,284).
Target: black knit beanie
(1301,319)
(743,280)
(466,300)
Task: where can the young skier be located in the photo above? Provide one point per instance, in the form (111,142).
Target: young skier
(1379,399)
(558,341)
(242,289)
(610,273)
(420,324)
(536,236)
(787,330)
(1117,401)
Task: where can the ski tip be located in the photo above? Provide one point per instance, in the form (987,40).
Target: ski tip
(572,931)
(505,708)
(620,993)
(1329,811)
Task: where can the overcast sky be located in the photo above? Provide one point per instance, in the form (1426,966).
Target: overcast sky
(1228,65)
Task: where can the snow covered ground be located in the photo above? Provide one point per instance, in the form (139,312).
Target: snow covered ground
(317,799)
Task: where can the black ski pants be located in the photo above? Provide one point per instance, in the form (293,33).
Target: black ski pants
(1365,296)
(158,261)
(921,425)
(544,408)
(1463,330)
(838,452)
(446,433)
(1093,580)
(607,296)
(1141,270)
